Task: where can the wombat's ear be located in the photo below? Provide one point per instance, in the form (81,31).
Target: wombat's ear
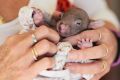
(57,15)
(94,24)
(61,16)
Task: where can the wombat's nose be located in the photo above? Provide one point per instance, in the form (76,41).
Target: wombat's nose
(63,28)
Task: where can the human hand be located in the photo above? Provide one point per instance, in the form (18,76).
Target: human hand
(17,61)
(104,52)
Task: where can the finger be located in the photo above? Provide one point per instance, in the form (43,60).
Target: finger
(97,52)
(94,35)
(100,75)
(22,42)
(47,33)
(87,68)
(41,33)
(41,48)
(41,65)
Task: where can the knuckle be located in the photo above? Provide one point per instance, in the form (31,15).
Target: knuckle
(46,43)
(57,37)
(43,44)
(43,29)
(48,61)
(46,29)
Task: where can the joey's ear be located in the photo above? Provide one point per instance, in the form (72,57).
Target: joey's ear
(60,15)
(94,24)
(57,13)
(57,16)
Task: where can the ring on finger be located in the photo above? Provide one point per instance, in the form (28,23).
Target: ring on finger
(106,49)
(104,65)
(35,54)
(34,39)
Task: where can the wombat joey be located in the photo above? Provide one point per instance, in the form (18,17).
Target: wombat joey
(74,21)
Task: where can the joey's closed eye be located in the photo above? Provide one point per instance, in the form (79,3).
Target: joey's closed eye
(78,22)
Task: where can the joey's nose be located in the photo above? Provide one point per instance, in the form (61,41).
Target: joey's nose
(63,28)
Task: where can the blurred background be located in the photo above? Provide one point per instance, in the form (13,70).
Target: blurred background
(115,6)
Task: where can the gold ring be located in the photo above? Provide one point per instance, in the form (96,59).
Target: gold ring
(106,49)
(104,65)
(1,20)
(34,39)
(35,54)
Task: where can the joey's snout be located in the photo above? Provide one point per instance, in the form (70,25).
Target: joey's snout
(63,29)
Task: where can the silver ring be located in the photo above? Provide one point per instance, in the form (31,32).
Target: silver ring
(35,54)
(34,39)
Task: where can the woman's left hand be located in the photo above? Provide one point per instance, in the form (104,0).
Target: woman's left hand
(104,52)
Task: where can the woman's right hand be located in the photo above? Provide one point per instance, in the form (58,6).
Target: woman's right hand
(16,54)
